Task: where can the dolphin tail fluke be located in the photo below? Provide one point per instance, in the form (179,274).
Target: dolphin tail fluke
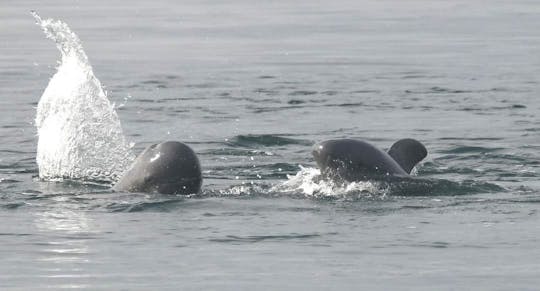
(407,153)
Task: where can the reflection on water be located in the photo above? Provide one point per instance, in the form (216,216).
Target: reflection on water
(64,248)
(65,220)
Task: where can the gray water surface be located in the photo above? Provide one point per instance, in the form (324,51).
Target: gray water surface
(251,86)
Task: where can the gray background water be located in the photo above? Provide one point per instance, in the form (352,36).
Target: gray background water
(251,85)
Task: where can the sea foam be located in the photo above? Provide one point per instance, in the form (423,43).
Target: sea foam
(309,182)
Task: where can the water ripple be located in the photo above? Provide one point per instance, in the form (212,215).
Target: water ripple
(260,238)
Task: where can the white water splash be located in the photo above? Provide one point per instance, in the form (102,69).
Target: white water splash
(244,189)
(309,182)
(80,135)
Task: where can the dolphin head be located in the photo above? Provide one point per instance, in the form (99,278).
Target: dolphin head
(170,168)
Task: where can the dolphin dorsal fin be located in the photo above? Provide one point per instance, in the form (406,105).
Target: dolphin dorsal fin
(407,153)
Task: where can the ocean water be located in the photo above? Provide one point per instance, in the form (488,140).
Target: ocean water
(251,86)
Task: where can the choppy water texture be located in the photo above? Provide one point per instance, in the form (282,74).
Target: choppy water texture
(250,87)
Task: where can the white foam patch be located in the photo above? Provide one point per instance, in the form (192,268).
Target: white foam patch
(80,135)
(240,190)
(309,182)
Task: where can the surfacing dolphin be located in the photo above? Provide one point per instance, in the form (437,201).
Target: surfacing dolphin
(170,167)
(356,160)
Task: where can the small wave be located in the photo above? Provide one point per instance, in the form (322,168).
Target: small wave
(264,140)
(434,168)
(11,206)
(143,206)
(9,181)
(153,82)
(486,156)
(353,104)
(235,152)
(470,149)
(15,234)
(440,90)
(273,109)
(440,187)
(260,238)
(302,93)
(296,102)
(269,92)
(472,138)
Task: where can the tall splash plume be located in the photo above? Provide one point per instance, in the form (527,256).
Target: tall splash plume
(80,135)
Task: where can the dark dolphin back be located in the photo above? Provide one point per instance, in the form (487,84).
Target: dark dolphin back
(354,160)
(407,153)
